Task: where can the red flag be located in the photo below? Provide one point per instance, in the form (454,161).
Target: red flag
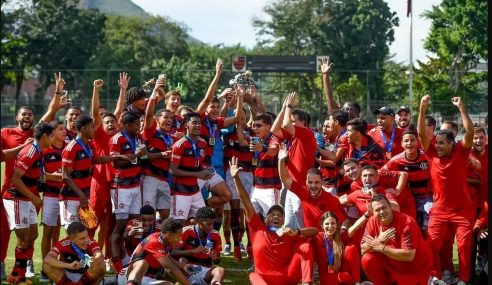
(409,7)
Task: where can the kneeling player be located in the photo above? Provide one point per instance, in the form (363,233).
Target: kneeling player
(80,262)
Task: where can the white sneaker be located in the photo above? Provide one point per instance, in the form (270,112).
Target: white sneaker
(435,281)
(244,252)
(227,249)
(30,269)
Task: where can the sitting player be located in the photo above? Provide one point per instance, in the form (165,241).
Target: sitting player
(80,262)
(200,247)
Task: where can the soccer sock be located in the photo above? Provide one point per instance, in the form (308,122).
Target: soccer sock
(21,262)
(30,252)
(235,226)
(217,224)
(227,236)
(118,265)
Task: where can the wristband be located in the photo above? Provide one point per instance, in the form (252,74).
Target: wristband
(154,95)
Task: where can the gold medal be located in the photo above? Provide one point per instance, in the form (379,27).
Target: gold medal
(211,141)
(254,161)
(388,155)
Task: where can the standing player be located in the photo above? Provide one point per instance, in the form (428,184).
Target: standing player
(361,146)
(387,135)
(452,203)
(187,165)
(22,198)
(80,259)
(403,119)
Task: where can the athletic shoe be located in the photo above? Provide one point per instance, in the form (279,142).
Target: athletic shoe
(43,278)
(237,254)
(449,277)
(461,282)
(3,275)
(251,269)
(243,249)
(435,281)
(30,269)
(227,249)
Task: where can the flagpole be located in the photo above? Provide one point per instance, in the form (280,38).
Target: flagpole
(410,83)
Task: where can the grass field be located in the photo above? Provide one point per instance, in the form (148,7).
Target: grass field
(236,273)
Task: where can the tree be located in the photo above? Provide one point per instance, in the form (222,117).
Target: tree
(458,36)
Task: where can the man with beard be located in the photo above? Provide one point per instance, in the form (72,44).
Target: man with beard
(314,200)
(155,187)
(281,255)
(387,135)
(71,117)
(106,126)
(403,119)
(452,202)
(15,137)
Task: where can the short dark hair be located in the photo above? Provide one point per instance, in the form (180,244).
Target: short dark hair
(24,107)
(215,100)
(354,105)
(171,93)
(43,128)
(314,171)
(147,210)
(133,94)
(340,116)
(102,107)
(431,120)
(379,197)
(409,132)
(75,228)
(184,107)
(446,132)
(81,121)
(358,124)
(350,160)
(187,117)
(370,166)
(205,213)
(170,225)
(75,108)
(302,116)
(108,114)
(265,118)
(162,110)
(272,115)
(454,126)
(477,130)
(129,117)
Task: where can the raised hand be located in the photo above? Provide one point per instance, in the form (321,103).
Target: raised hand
(161,82)
(124,80)
(219,66)
(227,92)
(283,153)
(59,82)
(326,65)
(233,164)
(98,83)
(425,101)
(457,102)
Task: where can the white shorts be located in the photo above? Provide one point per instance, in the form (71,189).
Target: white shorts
(156,193)
(198,278)
(51,211)
(264,199)
(20,214)
(126,201)
(184,207)
(69,212)
(247,181)
(208,184)
(122,279)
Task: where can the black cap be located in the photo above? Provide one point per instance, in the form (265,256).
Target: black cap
(276,208)
(403,108)
(385,111)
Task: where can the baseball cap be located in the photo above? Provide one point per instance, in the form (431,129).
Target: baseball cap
(385,111)
(403,108)
(276,208)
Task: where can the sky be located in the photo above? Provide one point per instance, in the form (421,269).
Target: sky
(230,22)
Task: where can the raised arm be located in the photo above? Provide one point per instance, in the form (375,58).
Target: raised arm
(282,168)
(149,110)
(243,195)
(11,153)
(120,104)
(98,84)
(289,103)
(57,101)
(219,66)
(424,104)
(277,124)
(325,71)
(467,122)
(239,110)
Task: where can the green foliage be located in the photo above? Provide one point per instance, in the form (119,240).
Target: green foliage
(351,90)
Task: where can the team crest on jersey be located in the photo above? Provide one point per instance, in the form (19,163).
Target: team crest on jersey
(66,242)
(424,165)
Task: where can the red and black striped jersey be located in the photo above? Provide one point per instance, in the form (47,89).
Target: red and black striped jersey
(132,242)
(127,176)
(65,250)
(266,172)
(157,142)
(70,135)
(76,158)
(418,171)
(151,249)
(210,129)
(190,240)
(233,148)
(369,153)
(177,125)
(395,147)
(188,156)
(29,161)
(52,163)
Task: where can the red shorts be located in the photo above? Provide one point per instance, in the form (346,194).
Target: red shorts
(100,199)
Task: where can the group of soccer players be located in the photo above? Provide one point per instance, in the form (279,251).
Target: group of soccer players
(349,203)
